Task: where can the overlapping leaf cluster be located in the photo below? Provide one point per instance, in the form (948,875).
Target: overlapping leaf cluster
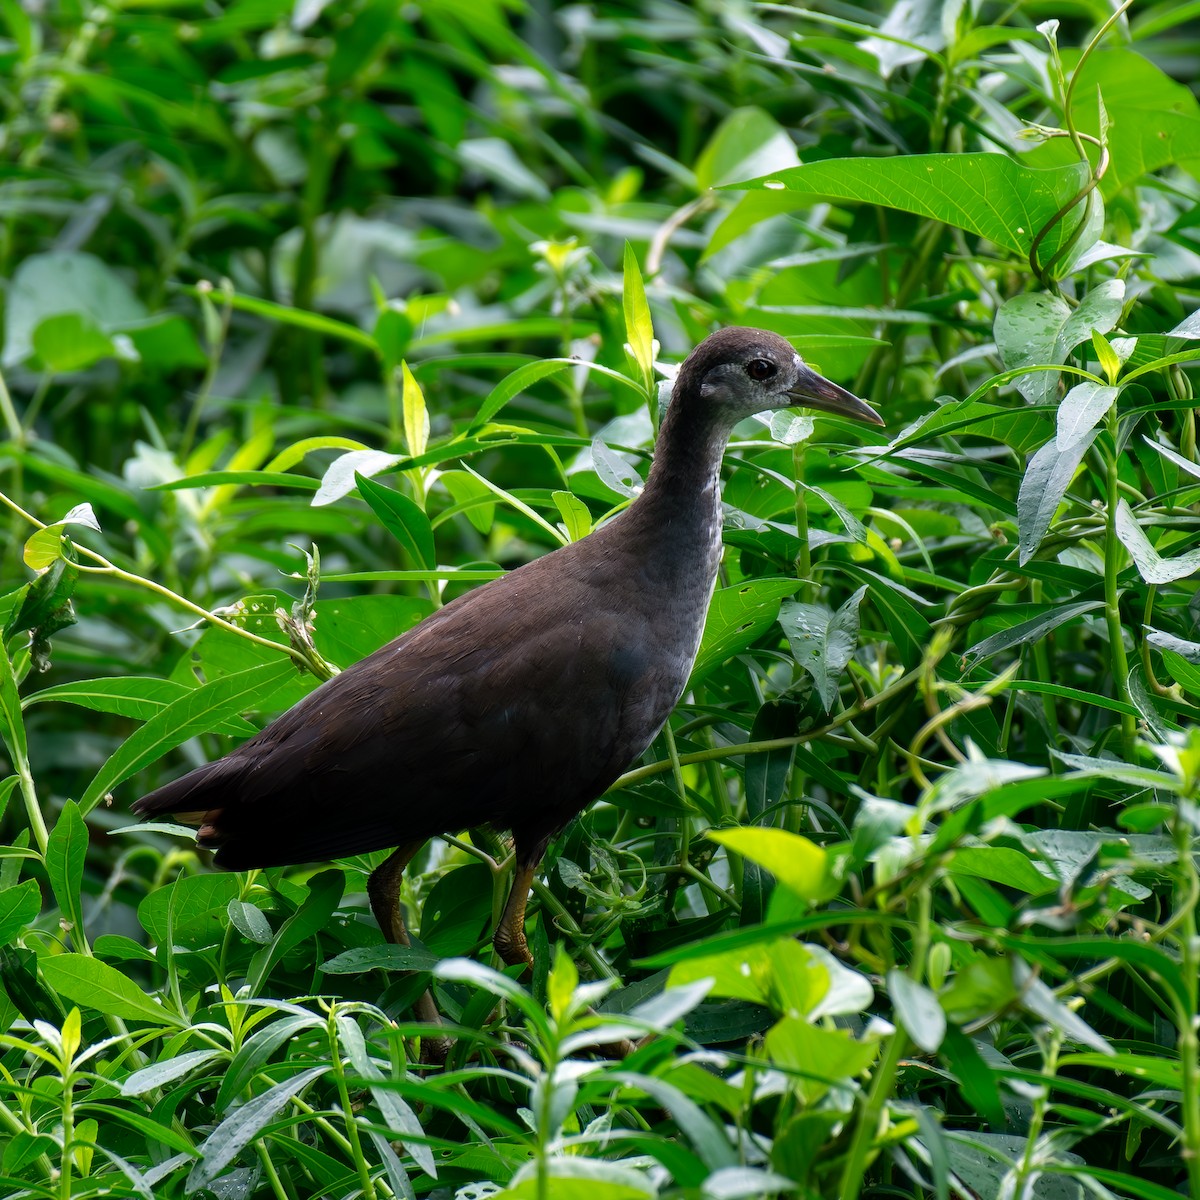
(316,315)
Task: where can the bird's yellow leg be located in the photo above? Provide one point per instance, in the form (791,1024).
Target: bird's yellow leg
(509,938)
(383,890)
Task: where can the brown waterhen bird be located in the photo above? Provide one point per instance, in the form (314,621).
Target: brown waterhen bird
(519,703)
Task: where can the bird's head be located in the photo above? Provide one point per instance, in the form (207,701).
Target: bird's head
(737,372)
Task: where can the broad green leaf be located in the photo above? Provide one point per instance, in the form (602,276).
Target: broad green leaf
(738,616)
(988,194)
(1004,865)
(19,905)
(244,1124)
(93,984)
(350,629)
(1035,329)
(782,974)
(1151,565)
(403,518)
(895,603)
(979,1083)
(71,341)
(796,862)
(199,711)
(60,282)
(639,332)
(190,912)
(47,545)
(614,472)
(819,1057)
(323,896)
(575,1178)
(747,143)
(478,503)
(1155,120)
(1082,409)
(823,642)
(1043,487)
(65,854)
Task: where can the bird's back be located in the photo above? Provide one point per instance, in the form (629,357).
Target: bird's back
(515,706)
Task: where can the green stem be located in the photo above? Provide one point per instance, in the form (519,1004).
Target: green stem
(804,558)
(348,1118)
(1187,894)
(872,1111)
(1113,559)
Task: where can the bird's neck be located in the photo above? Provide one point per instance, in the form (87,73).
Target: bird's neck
(679,512)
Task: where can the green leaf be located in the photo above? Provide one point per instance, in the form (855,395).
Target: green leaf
(65,854)
(737,616)
(380,958)
(71,341)
(513,385)
(12,722)
(403,518)
(60,282)
(472,497)
(138,696)
(819,1057)
(241,1127)
(199,711)
(19,905)
(1151,565)
(159,1074)
(988,194)
(909,630)
(577,520)
(747,143)
(823,642)
(979,1083)
(1043,487)
(416,415)
(92,984)
(795,862)
(189,912)
(1032,630)
(639,331)
(1082,409)
(1155,120)
(918,1010)
(47,545)
(1035,329)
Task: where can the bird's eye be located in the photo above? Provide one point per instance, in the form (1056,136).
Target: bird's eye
(760,369)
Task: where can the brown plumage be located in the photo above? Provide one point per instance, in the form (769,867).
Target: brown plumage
(519,703)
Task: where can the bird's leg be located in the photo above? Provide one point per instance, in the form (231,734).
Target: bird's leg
(383,890)
(509,938)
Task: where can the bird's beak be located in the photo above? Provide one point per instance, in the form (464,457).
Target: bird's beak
(815,391)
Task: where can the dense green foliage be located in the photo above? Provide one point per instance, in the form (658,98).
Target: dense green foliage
(317,315)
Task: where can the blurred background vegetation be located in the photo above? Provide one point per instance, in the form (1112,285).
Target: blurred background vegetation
(315,315)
